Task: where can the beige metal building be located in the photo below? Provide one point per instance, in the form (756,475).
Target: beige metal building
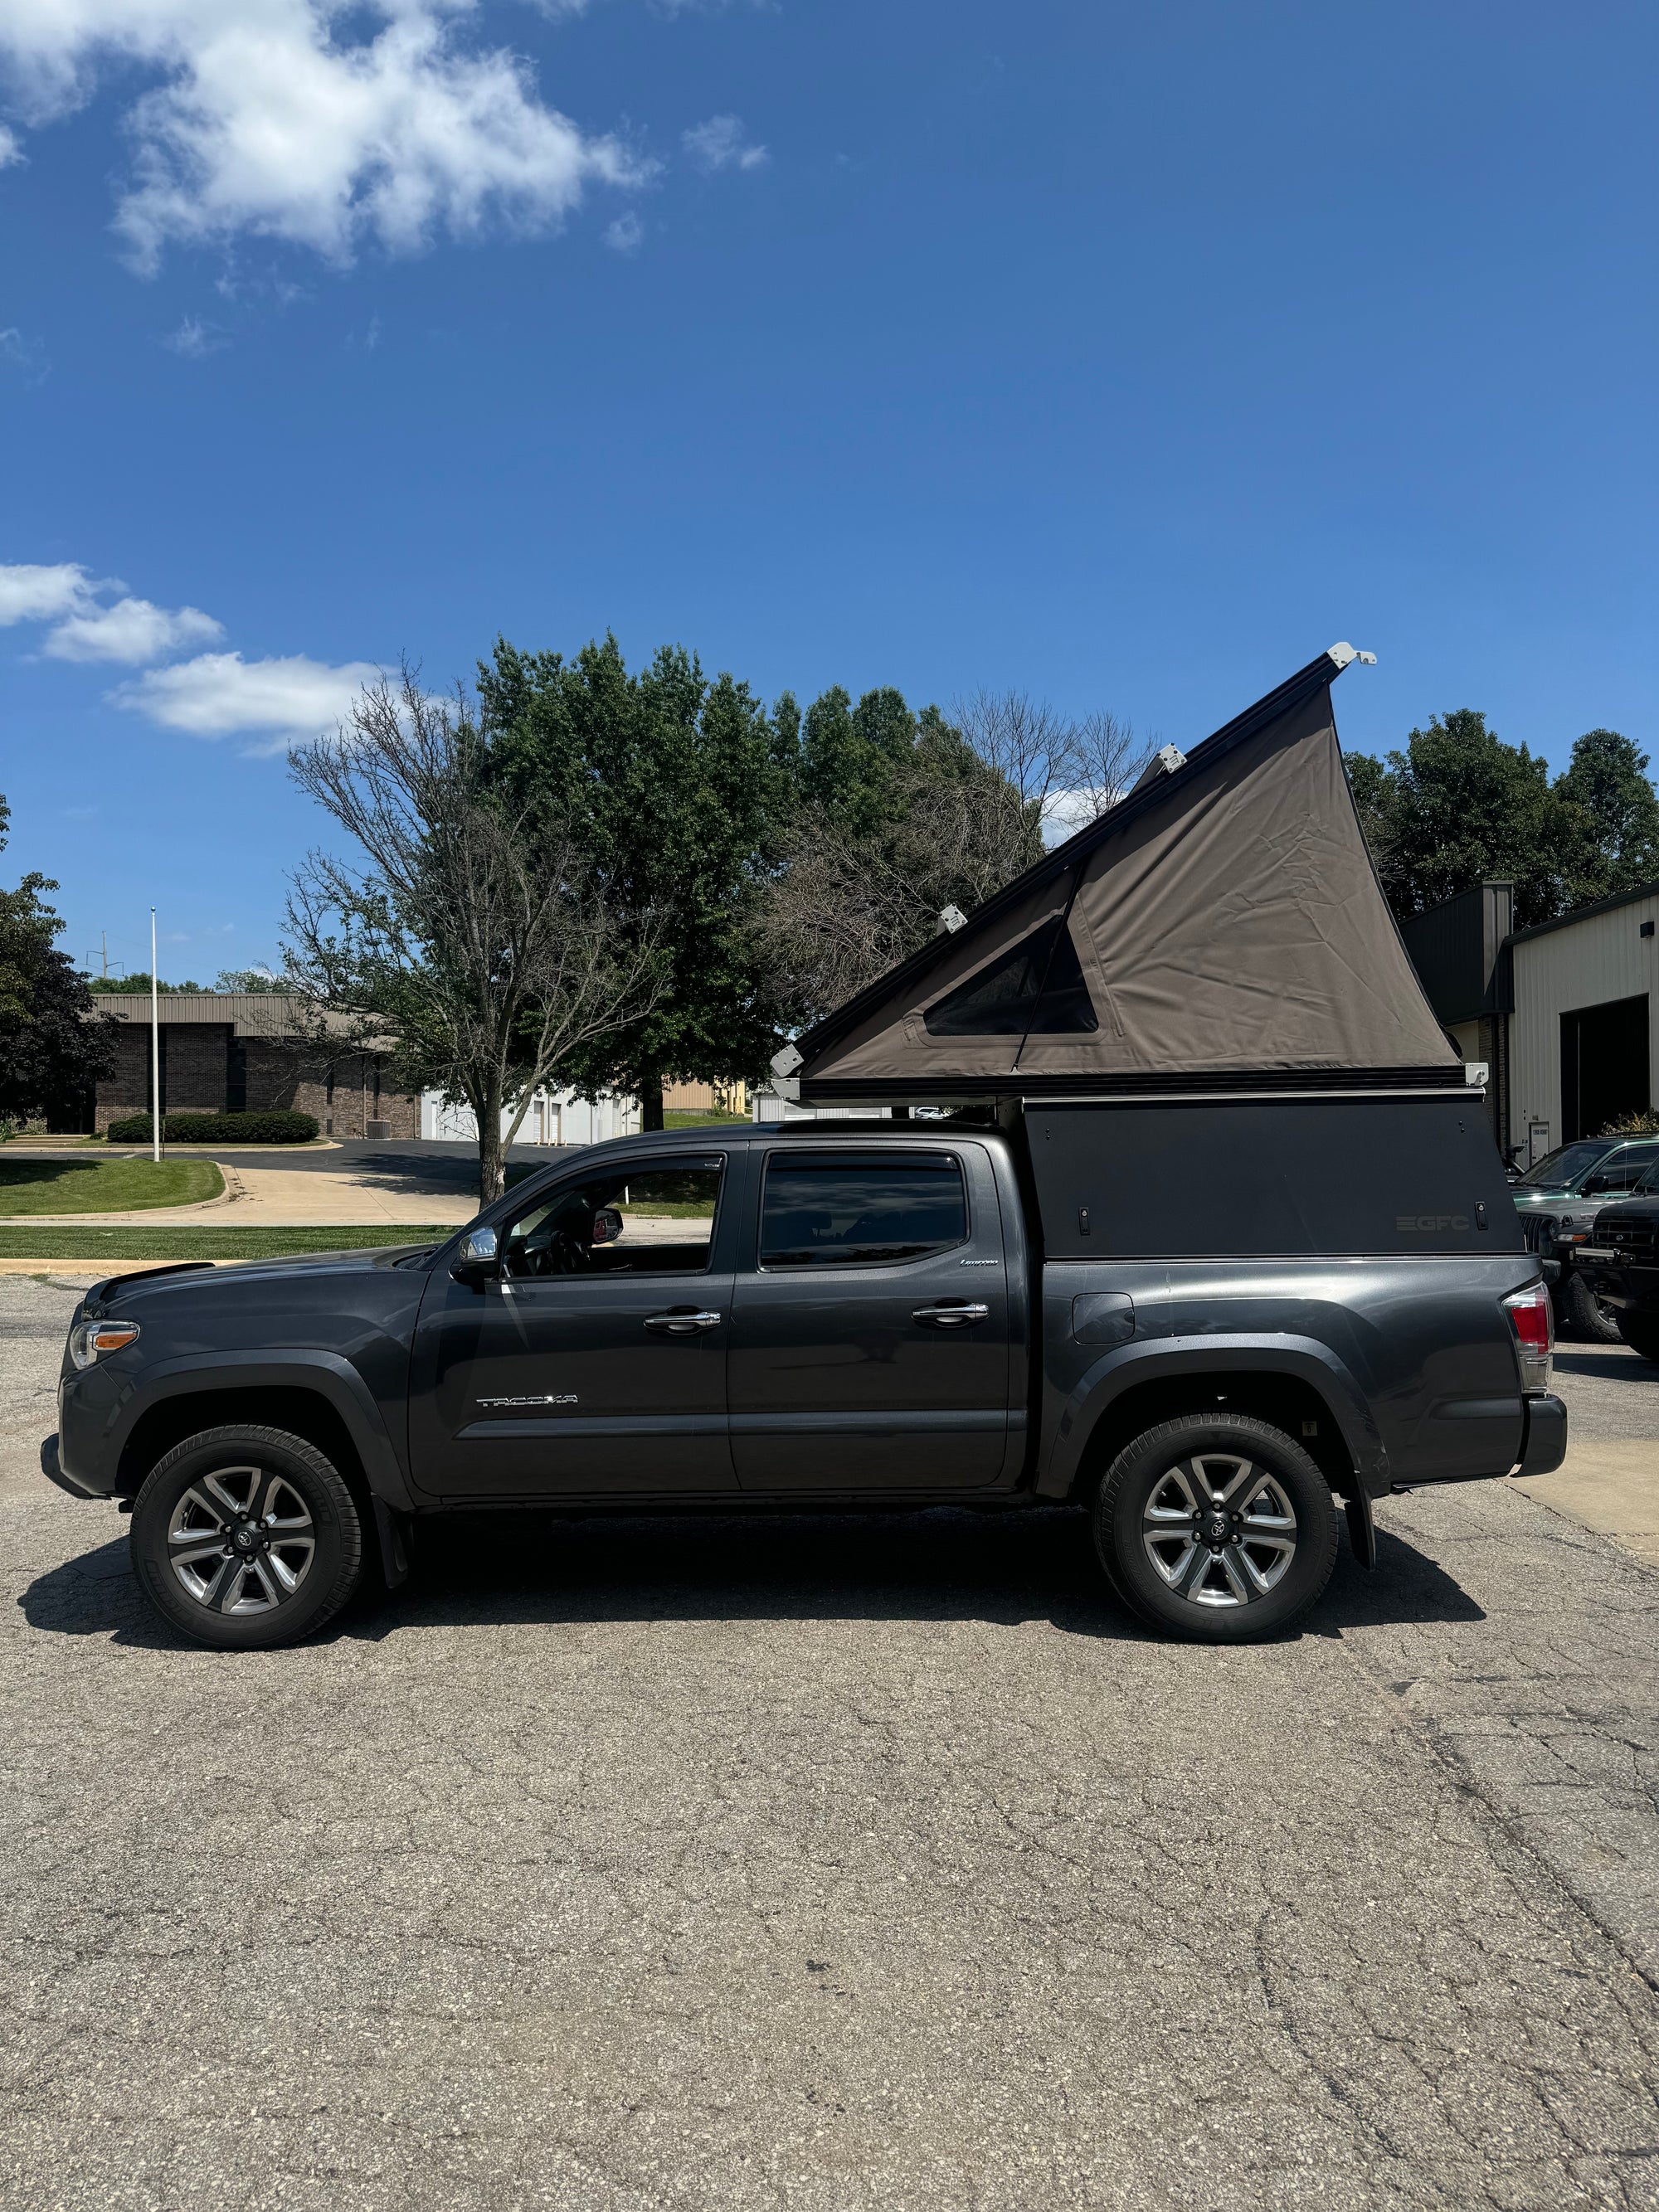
(1562,1014)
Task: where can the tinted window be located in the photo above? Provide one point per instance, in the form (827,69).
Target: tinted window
(852,1213)
(1623,1171)
(1561,1169)
(1036,988)
(639,1221)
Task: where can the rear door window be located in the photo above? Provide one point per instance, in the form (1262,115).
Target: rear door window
(831,1211)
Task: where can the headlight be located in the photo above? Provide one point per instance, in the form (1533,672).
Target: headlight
(90,1340)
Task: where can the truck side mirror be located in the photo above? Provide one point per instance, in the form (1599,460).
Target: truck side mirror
(478,1258)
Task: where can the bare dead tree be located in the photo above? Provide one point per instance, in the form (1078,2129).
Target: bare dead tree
(467,937)
(843,907)
(1074,769)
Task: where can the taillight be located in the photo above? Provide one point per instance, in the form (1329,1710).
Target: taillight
(1533,1323)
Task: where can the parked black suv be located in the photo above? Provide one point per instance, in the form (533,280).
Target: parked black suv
(1622,1265)
(1558,1202)
(1189,1313)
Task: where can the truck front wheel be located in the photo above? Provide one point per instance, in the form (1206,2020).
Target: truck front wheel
(246,1538)
(1217,1527)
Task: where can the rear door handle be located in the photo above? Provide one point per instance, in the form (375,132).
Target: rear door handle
(682,1321)
(959,1316)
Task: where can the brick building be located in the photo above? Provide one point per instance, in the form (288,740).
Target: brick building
(240,1052)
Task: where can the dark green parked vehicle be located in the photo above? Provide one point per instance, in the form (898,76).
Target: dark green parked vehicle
(1559,1200)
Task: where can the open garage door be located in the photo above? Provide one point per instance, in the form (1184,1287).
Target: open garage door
(1604,1065)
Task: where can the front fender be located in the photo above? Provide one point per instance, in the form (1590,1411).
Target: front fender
(1166,1358)
(325,1373)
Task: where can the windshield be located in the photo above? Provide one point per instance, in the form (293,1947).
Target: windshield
(1561,1169)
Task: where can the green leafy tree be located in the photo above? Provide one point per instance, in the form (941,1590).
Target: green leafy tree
(250,981)
(1458,806)
(52,1045)
(1617,845)
(139,981)
(678,790)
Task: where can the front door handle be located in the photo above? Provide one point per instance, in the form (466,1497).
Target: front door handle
(955,1316)
(682,1321)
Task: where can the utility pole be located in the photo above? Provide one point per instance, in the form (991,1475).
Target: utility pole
(104,939)
(155,1047)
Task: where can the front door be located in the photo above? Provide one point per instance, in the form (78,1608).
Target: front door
(595,1363)
(870,1326)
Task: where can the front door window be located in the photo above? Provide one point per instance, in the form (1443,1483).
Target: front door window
(655,1222)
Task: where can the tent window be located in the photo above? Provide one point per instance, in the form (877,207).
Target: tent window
(1036,988)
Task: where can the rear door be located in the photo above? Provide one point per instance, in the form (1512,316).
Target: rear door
(869,1323)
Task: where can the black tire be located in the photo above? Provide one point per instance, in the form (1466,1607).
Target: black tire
(1584,1313)
(1641,1332)
(1246,1587)
(247,1538)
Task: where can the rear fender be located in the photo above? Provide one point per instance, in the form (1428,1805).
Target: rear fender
(1166,1360)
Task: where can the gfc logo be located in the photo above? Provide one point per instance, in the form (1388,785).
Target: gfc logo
(1426,1225)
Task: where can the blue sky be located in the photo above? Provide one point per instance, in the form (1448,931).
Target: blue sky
(1126,355)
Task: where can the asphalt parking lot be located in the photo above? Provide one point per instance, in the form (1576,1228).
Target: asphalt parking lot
(830,1864)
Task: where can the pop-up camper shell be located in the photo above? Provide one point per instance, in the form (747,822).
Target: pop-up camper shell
(1221,928)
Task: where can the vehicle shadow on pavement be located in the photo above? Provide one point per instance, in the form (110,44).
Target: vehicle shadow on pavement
(495,1570)
(1608,1363)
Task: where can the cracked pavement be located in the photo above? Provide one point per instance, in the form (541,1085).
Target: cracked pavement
(827,1862)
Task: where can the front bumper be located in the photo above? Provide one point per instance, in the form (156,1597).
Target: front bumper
(52,1468)
(1545,1444)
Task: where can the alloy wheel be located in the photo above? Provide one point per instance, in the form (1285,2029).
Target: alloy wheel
(1219,1530)
(240,1541)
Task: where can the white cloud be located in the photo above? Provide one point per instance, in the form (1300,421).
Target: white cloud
(30,594)
(1065,812)
(220,695)
(26,354)
(86,627)
(624,236)
(131,630)
(317,122)
(10,151)
(719,144)
(193,338)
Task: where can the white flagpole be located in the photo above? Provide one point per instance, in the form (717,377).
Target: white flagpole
(155,1047)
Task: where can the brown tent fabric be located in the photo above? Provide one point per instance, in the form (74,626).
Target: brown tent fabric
(1223,917)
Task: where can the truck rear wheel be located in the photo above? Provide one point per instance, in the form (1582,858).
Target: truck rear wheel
(247,1538)
(1217,1527)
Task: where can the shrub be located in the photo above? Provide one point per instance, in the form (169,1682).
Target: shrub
(279,1127)
(1633,1125)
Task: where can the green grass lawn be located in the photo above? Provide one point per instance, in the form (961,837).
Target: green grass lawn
(103,1186)
(686,1117)
(100,1244)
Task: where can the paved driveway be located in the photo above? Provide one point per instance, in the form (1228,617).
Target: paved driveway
(827,1863)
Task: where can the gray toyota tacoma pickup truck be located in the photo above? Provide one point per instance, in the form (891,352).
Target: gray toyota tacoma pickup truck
(1206,1319)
